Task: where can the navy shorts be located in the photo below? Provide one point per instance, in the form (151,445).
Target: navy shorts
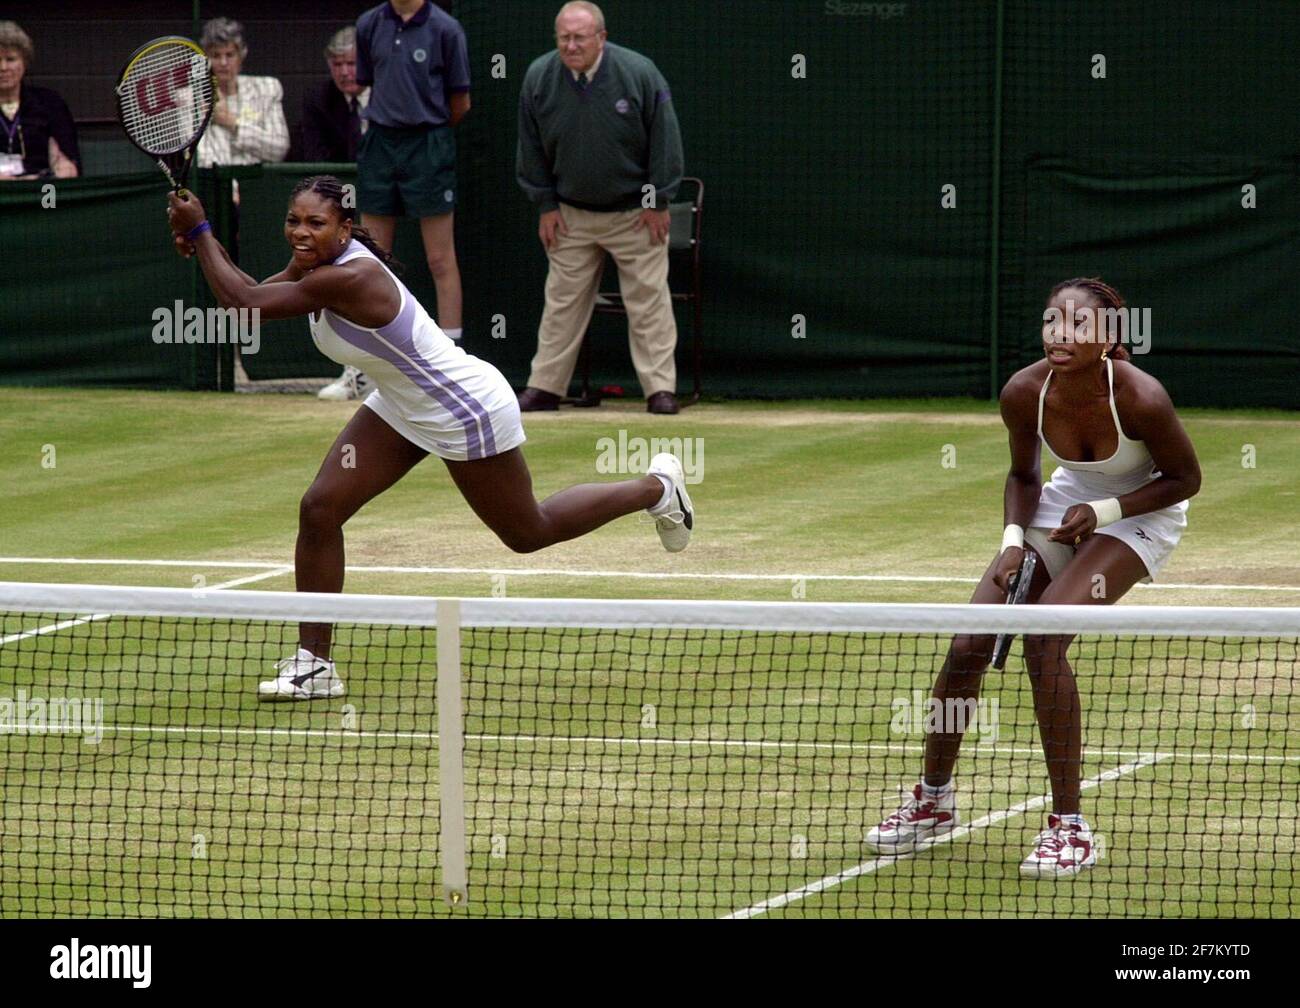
(406,172)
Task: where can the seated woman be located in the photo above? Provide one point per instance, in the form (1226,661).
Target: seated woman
(37,137)
(1109,517)
(247,125)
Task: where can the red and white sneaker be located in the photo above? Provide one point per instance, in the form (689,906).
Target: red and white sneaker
(918,820)
(1060,851)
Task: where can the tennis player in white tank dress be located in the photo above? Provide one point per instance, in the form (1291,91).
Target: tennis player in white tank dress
(1151,536)
(428,389)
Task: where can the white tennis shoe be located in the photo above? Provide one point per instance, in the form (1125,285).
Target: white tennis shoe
(351,384)
(1060,851)
(917,820)
(674,519)
(302,677)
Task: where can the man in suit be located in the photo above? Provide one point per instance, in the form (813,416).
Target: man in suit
(332,125)
(331,111)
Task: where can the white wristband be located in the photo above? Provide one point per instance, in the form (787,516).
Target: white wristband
(1014,535)
(1107,511)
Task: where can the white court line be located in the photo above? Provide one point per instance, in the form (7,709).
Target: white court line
(65,624)
(867,867)
(52,628)
(631,575)
(886,747)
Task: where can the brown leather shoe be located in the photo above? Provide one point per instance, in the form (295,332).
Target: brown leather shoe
(531,400)
(662,402)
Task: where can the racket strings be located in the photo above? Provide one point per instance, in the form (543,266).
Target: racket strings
(165,97)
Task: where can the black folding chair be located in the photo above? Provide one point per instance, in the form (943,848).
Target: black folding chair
(685,215)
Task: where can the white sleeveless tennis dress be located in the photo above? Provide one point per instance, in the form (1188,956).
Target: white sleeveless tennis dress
(427,388)
(1152,536)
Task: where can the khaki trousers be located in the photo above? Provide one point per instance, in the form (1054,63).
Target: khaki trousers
(572,282)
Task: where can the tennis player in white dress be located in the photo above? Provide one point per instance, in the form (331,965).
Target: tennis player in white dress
(1109,517)
(430,398)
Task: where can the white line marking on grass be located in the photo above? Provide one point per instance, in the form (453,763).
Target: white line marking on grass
(250,578)
(272,732)
(52,628)
(875,864)
(901,748)
(91,562)
(633,575)
(65,624)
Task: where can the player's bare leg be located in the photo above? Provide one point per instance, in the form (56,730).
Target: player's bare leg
(931,811)
(1102,570)
(500,490)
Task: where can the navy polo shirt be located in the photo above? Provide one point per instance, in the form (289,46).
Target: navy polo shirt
(411,66)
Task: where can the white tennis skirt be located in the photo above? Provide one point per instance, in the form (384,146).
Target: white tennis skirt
(489,425)
(1151,536)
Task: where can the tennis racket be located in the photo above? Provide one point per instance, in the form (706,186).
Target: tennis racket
(1019,592)
(165,99)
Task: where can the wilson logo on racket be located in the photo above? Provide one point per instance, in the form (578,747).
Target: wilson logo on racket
(163,85)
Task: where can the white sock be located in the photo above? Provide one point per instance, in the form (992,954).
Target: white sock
(942,791)
(455,334)
(1072,819)
(667,498)
(306,656)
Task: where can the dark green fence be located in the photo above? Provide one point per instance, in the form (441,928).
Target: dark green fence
(1173,175)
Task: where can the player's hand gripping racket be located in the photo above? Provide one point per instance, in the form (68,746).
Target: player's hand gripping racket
(165,99)
(1019,592)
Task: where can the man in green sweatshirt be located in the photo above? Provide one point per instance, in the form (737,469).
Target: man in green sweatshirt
(600,155)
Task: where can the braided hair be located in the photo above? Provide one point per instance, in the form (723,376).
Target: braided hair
(330,188)
(1108,296)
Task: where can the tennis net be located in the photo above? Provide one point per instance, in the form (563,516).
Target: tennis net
(516,757)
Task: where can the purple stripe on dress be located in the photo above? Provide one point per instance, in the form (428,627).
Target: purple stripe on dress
(476,407)
(400,331)
(480,439)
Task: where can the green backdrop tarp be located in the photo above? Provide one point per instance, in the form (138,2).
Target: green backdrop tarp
(85,264)
(823,200)
(822,192)
(1219,302)
(1137,176)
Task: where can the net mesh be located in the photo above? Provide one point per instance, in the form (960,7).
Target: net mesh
(165,96)
(634,771)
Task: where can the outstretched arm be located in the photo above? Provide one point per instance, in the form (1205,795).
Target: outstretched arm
(1024,479)
(233,288)
(274,299)
(291,273)
(1171,452)
(185,248)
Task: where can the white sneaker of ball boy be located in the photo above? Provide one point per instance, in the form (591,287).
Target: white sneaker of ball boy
(1062,850)
(351,384)
(306,677)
